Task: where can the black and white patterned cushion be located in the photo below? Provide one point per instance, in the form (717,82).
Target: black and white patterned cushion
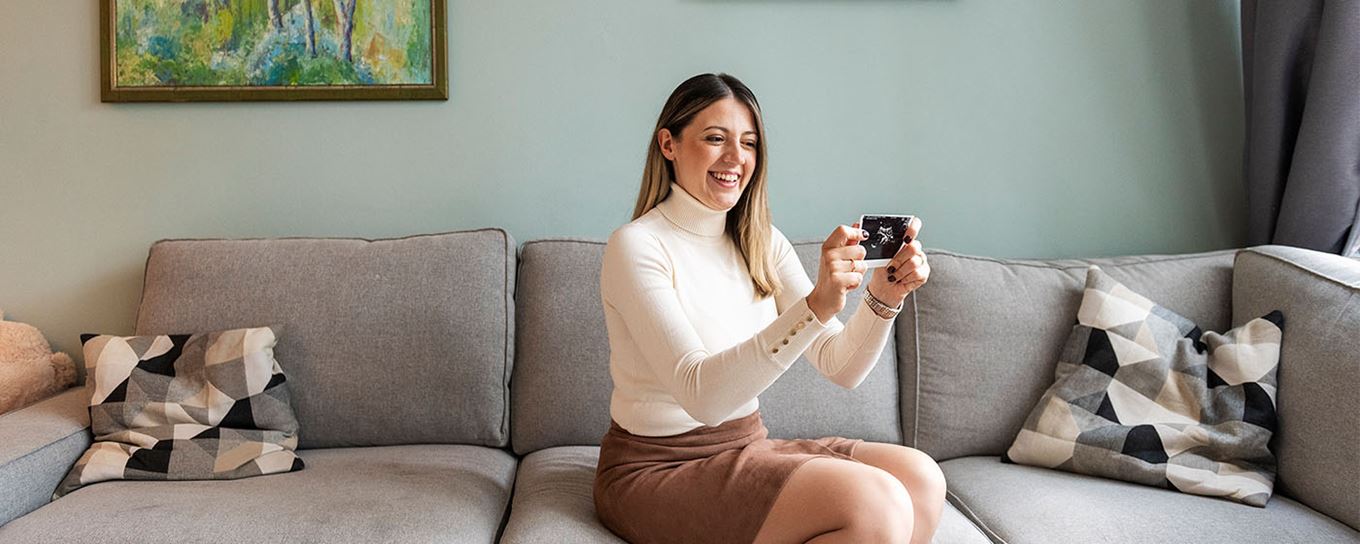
(1142,395)
(186,407)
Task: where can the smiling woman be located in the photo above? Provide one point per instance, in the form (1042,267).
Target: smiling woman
(734,108)
(706,305)
(720,155)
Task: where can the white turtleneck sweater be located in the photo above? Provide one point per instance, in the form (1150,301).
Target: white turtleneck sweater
(690,345)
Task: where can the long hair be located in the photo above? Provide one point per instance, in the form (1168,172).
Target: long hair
(748,223)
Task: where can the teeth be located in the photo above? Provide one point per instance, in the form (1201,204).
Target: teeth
(726,177)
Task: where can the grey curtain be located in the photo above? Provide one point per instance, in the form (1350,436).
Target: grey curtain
(1301,77)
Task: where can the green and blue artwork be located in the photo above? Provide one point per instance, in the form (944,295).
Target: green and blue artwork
(274,43)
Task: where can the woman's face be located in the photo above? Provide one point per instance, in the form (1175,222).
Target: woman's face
(715,155)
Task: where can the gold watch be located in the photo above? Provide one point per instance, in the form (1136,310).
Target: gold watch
(883,310)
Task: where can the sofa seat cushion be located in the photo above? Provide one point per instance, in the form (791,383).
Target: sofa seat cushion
(427,493)
(553,503)
(553,499)
(1018,504)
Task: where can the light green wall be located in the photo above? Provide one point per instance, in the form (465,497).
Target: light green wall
(1038,128)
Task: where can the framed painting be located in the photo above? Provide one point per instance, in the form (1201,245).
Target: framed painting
(240,50)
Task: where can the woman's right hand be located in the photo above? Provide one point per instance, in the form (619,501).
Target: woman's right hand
(840,271)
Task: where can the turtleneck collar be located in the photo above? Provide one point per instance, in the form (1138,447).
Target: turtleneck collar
(688,213)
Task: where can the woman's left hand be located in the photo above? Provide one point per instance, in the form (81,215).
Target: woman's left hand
(907,271)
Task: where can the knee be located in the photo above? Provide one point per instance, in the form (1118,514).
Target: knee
(923,474)
(932,476)
(882,511)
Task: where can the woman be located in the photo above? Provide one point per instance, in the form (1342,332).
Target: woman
(706,305)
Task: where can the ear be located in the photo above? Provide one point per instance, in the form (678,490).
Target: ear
(666,142)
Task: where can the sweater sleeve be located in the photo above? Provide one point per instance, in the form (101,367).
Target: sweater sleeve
(637,281)
(843,353)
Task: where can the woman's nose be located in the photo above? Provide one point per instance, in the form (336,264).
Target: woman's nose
(732,153)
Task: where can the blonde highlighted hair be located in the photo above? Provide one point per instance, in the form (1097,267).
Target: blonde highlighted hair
(748,223)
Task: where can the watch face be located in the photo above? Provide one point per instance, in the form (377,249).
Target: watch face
(887,233)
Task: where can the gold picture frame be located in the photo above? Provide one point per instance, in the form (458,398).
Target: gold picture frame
(217,51)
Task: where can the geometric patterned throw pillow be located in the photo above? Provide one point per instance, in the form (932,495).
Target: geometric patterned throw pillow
(1142,395)
(185,407)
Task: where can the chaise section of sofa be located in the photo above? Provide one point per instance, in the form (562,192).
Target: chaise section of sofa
(981,346)
(398,354)
(561,388)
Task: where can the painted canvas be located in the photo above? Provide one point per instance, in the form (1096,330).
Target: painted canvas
(179,50)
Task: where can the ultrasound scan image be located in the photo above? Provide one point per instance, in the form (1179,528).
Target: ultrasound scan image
(886,233)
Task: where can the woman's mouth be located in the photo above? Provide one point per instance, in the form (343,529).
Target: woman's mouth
(727,180)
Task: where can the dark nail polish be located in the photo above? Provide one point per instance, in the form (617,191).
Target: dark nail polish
(892,269)
(892,278)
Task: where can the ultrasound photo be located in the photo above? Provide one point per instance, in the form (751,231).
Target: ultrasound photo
(887,233)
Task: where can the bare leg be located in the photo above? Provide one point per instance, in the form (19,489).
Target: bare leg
(919,474)
(830,500)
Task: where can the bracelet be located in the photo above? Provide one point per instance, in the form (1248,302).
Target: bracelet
(879,307)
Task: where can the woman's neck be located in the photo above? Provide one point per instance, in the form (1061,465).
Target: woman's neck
(690,214)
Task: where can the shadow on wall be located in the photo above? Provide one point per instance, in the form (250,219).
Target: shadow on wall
(1214,35)
(1213,128)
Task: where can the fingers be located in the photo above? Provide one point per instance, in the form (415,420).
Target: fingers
(917,276)
(914,228)
(844,235)
(907,258)
(843,257)
(848,281)
(845,253)
(914,278)
(848,270)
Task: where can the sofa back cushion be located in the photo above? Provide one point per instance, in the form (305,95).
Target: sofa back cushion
(980,341)
(385,342)
(1318,442)
(804,404)
(561,380)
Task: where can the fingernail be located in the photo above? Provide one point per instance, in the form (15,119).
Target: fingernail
(892,269)
(892,278)
(864,233)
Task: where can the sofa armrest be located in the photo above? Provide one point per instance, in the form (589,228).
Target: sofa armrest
(1317,444)
(38,445)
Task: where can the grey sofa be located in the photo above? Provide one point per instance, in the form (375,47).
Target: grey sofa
(454,388)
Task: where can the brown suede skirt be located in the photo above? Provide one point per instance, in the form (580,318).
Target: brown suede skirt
(711,484)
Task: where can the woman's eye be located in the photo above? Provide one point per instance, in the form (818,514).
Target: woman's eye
(715,139)
(751,145)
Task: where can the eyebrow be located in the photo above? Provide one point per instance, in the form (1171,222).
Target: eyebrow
(751,132)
